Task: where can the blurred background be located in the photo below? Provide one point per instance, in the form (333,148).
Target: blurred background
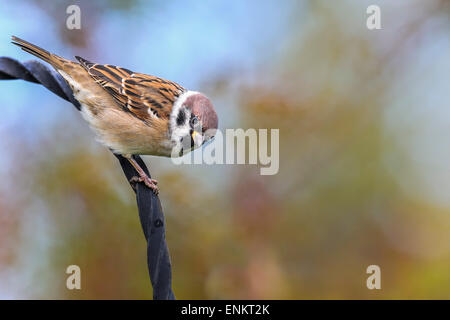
(364,175)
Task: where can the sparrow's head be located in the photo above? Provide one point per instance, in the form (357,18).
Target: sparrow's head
(193,121)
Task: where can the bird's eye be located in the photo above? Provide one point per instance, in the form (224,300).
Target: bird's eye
(194,121)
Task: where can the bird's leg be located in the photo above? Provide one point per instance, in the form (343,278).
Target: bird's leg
(143,177)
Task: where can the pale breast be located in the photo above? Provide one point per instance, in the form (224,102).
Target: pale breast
(116,128)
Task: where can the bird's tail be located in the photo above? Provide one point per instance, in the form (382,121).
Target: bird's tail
(51,58)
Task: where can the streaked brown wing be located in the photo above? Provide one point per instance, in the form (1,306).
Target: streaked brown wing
(143,95)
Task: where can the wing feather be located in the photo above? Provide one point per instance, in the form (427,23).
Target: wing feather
(143,95)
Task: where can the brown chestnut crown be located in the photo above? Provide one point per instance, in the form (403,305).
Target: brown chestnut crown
(202,108)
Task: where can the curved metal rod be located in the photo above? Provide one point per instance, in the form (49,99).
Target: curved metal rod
(150,211)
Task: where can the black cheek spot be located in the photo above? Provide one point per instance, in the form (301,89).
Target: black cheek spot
(181,118)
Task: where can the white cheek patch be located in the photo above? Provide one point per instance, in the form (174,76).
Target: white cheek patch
(180,131)
(183,130)
(176,109)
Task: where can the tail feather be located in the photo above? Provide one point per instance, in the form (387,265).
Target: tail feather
(54,60)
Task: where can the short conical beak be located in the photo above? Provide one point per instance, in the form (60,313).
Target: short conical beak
(197,138)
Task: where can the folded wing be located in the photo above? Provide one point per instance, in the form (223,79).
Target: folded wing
(143,95)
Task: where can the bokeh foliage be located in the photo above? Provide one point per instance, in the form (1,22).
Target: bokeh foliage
(350,191)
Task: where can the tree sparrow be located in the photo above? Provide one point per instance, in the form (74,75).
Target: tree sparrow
(135,113)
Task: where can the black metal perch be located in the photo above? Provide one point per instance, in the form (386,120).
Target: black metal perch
(150,211)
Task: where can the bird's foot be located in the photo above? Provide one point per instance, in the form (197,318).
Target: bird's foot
(150,183)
